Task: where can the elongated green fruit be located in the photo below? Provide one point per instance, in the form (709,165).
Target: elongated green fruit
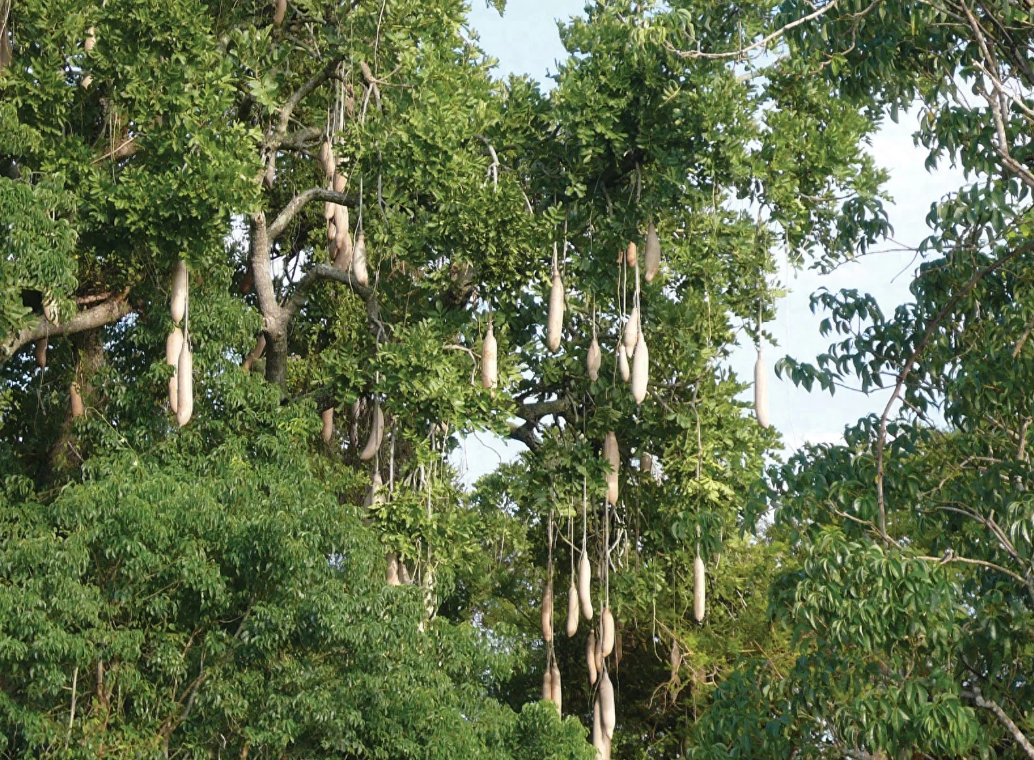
(613,456)
(652,253)
(626,373)
(547,612)
(178,306)
(607,624)
(585,585)
(328,424)
(590,657)
(640,370)
(489,360)
(572,610)
(608,716)
(555,322)
(593,360)
(761,390)
(373,443)
(631,333)
(699,589)
(185,386)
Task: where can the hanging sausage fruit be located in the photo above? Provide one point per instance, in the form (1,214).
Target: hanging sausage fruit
(699,588)
(489,359)
(652,253)
(555,319)
(761,389)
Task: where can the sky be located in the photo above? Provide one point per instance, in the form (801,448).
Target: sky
(526,41)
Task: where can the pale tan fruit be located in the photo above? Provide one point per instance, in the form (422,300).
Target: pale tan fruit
(87,81)
(593,360)
(585,585)
(185,386)
(572,610)
(40,350)
(599,656)
(631,332)
(645,463)
(393,569)
(343,243)
(652,253)
(327,159)
(373,443)
(76,399)
(256,352)
(281,10)
(608,715)
(599,738)
(332,232)
(555,322)
(631,257)
(640,370)
(91,40)
(612,454)
(173,346)
(178,307)
(50,312)
(699,589)
(328,424)
(329,209)
(547,685)
(761,390)
(590,657)
(623,368)
(359,261)
(556,689)
(339,183)
(174,384)
(547,612)
(404,574)
(489,360)
(607,625)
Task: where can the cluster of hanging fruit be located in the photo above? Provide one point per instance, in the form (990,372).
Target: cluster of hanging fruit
(177,349)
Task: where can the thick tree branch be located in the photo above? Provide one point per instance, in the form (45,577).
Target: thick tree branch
(301,138)
(989,704)
(292,102)
(89,319)
(321,272)
(298,202)
(260,268)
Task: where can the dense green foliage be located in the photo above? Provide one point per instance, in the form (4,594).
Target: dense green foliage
(219,588)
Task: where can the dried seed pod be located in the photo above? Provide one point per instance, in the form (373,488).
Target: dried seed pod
(612,454)
(256,352)
(607,625)
(343,242)
(489,359)
(328,424)
(699,589)
(761,390)
(631,332)
(359,261)
(608,716)
(91,40)
(40,350)
(373,443)
(178,307)
(393,569)
(630,255)
(547,685)
(623,368)
(652,253)
(281,11)
(173,346)
(640,370)
(547,612)
(327,159)
(585,585)
(675,659)
(593,360)
(185,386)
(76,399)
(590,657)
(556,689)
(572,610)
(555,322)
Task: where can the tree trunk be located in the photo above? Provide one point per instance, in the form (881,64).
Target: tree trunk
(276,359)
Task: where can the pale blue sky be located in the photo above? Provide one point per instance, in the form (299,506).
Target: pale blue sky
(525,41)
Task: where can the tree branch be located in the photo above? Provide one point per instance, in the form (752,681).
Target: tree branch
(321,272)
(90,319)
(989,704)
(298,202)
(298,140)
(292,102)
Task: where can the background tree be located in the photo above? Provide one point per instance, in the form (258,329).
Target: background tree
(138,135)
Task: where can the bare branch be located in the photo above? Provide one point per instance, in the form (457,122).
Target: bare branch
(989,704)
(321,272)
(89,319)
(298,202)
(298,140)
(292,102)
